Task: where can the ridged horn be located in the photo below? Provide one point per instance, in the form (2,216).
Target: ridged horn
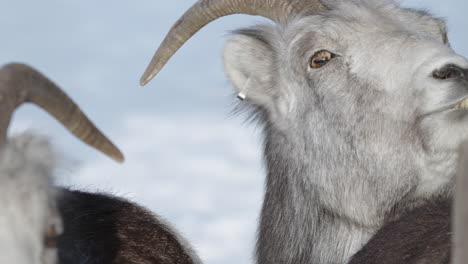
(459,210)
(206,11)
(21,83)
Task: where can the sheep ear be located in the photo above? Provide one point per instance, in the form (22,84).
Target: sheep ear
(248,63)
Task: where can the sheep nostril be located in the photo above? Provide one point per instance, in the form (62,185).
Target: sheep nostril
(449,72)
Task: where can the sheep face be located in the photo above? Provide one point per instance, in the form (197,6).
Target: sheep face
(30,221)
(360,80)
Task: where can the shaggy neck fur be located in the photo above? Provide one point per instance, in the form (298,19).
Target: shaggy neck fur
(324,197)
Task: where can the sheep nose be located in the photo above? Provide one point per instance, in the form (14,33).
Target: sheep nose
(450,72)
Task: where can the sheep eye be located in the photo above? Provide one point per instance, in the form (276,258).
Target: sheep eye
(321,58)
(50,237)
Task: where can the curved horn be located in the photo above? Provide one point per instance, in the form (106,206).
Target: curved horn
(459,210)
(206,11)
(20,83)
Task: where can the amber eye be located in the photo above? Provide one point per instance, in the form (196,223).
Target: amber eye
(321,58)
(50,237)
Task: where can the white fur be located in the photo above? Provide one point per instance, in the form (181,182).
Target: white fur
(27,201)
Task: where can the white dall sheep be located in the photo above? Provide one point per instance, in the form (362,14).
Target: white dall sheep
(362,107)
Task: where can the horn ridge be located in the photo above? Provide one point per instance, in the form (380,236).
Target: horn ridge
(206,11)
(21,83)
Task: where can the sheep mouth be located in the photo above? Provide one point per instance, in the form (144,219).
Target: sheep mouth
(462,105)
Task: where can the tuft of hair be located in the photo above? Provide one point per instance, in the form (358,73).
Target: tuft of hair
(29,222)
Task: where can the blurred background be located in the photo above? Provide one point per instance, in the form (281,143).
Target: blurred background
(188,158)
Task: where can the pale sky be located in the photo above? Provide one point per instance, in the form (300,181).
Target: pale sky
(187,158)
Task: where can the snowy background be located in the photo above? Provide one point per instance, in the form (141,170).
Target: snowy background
(187,158)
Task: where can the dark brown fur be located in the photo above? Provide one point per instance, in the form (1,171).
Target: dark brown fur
(420,236)
(102,229)
(146,240)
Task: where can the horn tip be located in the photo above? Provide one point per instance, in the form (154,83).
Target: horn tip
(112,152)
(143,82)
(146,78)
(117,156)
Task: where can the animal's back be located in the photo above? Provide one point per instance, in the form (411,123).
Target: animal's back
(101,229)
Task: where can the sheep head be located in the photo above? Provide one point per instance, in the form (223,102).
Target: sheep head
(368,68)
(368,77)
